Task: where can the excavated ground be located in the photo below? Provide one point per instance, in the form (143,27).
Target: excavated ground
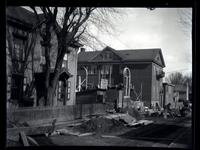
(101,125)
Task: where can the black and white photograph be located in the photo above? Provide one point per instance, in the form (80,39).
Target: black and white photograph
(99,76)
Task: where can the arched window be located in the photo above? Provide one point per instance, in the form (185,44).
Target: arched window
(127,80)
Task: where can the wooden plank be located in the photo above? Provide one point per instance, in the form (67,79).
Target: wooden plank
(109,136)
(32,141)
(86,134)
(23,138)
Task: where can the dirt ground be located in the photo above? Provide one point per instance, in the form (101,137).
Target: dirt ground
(161,134)
(112,132)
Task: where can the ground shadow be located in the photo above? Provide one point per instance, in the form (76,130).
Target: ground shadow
(161,133)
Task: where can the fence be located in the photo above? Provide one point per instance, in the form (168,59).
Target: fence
(42,115)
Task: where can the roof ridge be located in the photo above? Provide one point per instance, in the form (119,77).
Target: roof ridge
(139,49)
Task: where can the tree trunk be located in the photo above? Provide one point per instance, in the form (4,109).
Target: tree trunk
(50,96)
(57,70)
(47,77)
(52,89)
(47,45)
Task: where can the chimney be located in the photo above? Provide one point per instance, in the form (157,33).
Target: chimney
(82,49)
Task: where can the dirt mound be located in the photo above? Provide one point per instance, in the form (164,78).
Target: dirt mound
(100,125)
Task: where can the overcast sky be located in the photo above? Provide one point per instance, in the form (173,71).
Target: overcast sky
(160,28)
(139,28)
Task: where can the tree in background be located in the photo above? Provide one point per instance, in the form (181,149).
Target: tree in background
(177,78)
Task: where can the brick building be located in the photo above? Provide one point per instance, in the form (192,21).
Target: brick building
(140,71)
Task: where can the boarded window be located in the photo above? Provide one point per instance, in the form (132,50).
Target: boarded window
(18,53)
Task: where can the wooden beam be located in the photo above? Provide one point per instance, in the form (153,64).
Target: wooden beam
(23,139)
(32,141)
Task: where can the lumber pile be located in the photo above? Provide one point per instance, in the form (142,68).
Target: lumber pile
(27,140)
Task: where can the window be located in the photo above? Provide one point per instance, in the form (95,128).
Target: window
(68,90)
(43,52)
(8,86)
(17,87)
(18,53)
(89,69)
(64,64)
(93,69)
(65,57)
(59,90)
(167,89)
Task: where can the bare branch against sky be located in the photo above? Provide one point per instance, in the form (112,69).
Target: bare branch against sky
(165,28)
(135,28)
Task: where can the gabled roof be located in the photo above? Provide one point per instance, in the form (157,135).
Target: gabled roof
(106,48)
(131,55)
(21,15)
(85,56)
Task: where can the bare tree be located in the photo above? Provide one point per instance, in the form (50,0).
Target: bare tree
(188,81)
(70,28)
(175,78)
(178,78)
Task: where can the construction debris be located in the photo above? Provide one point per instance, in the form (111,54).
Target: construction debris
(23,139)
(109,136)
(86,134)
(128,119)
(52,129)
(67,132)
(140,122)
(145,122)
(32,141)
(100,125)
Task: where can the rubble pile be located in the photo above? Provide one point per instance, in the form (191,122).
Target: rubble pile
(100,125)
(134,113)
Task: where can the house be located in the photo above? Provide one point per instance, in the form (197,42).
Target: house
(169,96)
(182,92)
(20,22)
(140,71)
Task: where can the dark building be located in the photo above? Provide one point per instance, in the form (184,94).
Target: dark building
(140,71)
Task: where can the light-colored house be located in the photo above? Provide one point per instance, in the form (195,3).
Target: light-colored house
(169,95)
(19,23)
